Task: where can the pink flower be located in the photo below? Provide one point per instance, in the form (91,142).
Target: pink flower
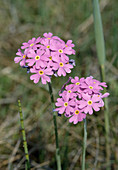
(77,84)
(50,36)
(69,91)
(88,103)
(41,73)
(22,58)
(65,105)
(98,82)
(77,116)
(91,86)
(69,44)
(52,60)
(62,67)
(61,50)
(38,58)
(46,44)
(32,44)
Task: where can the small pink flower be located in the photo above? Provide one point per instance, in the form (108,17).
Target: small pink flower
(69,44)
(32,44)
(77,116)
(38,58)
(100,95)
(60,49)
(69,91)
(46,44)
(62,67)
(65,105)
(40,73)
(88,103)
(98,82)
(22,58)
(90,86)
(50,36)
(77,84)
(52,60)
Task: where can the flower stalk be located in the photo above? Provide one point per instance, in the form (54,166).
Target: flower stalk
(100,46)
(24,137)
(84,145)
(58,159)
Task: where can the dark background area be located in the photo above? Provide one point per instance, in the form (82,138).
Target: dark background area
(70,19)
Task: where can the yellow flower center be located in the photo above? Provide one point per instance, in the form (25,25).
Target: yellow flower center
(90,87)
(50,58)
(60,51)
(31,45)
(41,72)
(61,64)
(77,112)
(90,102)
(98,95)
(69,91)
(65,104)
(37,57)
(48,46)
(24,56)
(48,38)
(66,45)
(77,83)
(94,82)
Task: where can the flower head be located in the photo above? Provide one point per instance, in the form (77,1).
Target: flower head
(49,52)
(84,100)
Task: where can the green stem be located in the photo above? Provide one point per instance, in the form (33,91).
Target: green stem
(84,145)
(55,127)
(24,137)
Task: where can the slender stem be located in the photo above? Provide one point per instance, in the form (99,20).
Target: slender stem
(55,127)
(84,145)
(24,137)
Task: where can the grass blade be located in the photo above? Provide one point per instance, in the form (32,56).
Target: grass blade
(100,46)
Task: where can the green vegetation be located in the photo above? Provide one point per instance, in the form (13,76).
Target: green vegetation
(70,19)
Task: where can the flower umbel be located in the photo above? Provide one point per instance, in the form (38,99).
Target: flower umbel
(49,52)
(82,96)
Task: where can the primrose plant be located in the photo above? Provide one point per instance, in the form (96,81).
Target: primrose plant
(49,55)
(43,57)
(79,97)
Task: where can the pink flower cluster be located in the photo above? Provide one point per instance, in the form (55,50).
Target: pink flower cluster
(80,97)
(45,57)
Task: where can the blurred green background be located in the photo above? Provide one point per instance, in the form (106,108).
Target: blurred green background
(70,19)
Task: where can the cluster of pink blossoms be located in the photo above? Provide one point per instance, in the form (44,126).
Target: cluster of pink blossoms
(80,97)
(45,57)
